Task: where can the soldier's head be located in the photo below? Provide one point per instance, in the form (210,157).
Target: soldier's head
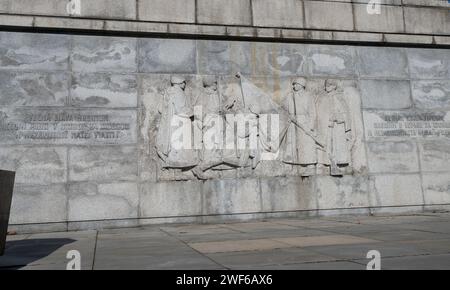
(177,81)
(210,83)
(331,85)
(299,84)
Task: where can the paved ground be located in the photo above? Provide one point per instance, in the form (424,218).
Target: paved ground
(405,242)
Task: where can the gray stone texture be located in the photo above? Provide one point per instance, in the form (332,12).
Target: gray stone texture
(33,88)
(331,61)
(389,190)
(429,63)
(395,157)
(327,15)
(104,90)
(385,94)
(230,12)
(435,155)
(426,20)
(280,13)
(167,10)
(104,54)
(382,62)
(431,94)
(30,51)
(167,55)
(390,19)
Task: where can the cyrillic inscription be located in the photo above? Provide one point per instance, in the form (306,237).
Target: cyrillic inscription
(69,126)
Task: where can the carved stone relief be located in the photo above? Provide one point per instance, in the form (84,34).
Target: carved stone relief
(211,127)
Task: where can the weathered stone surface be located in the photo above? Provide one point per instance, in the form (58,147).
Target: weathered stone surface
(39,204)
(427,20)
(287,194)
(278,59)
(36,7)
(396,157)
(167,55)
(431,94)
(36,165)
(326,15)
(224,57)
(330,61)
(436,188)
(280,13)
(106,9)
(429,63)
(385,94)
(382,62)
(396,190)
(67,126)
(345,192)
(68,23)
(230,196)
(167,11)
(230,12)
(104,90)
(390,19)
(33,89)
(34,51)
(425,3)
(435,156)
(173,199)
(89,201)
(104,54)
(103,163)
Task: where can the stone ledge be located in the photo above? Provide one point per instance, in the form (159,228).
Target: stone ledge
(44,23)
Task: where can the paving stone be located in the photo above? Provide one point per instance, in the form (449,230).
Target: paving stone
(238,245)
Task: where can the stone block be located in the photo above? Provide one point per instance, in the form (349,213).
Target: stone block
(14,20)
(396,190)
(383,62)
(231,196)
(34,51)
(104,54)
(385,94)
(89,201)
(435,156)
(230,12)
(35,7)
(35,165)
(33,89)
(109,9)
(427,20)
(434,3)
(431,94)
(390,19)
(396,157)
(39,204)
(287,194)
(280,13)
(103,163)
(68,23)
(224,57)
(278,59)
(408,38)
(104,90)
(167,10)
(436,188)
(429,63)
(327,15)
(172,199)
(356,36)
(167,55)
(343,192)
(330,61)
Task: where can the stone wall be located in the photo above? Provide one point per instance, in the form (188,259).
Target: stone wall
(399,21)
(75,113)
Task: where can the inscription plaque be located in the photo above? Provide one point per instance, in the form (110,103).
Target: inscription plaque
(68,126)
(407,124)
(6,191)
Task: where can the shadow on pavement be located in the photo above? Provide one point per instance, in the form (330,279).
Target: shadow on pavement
(21,253)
